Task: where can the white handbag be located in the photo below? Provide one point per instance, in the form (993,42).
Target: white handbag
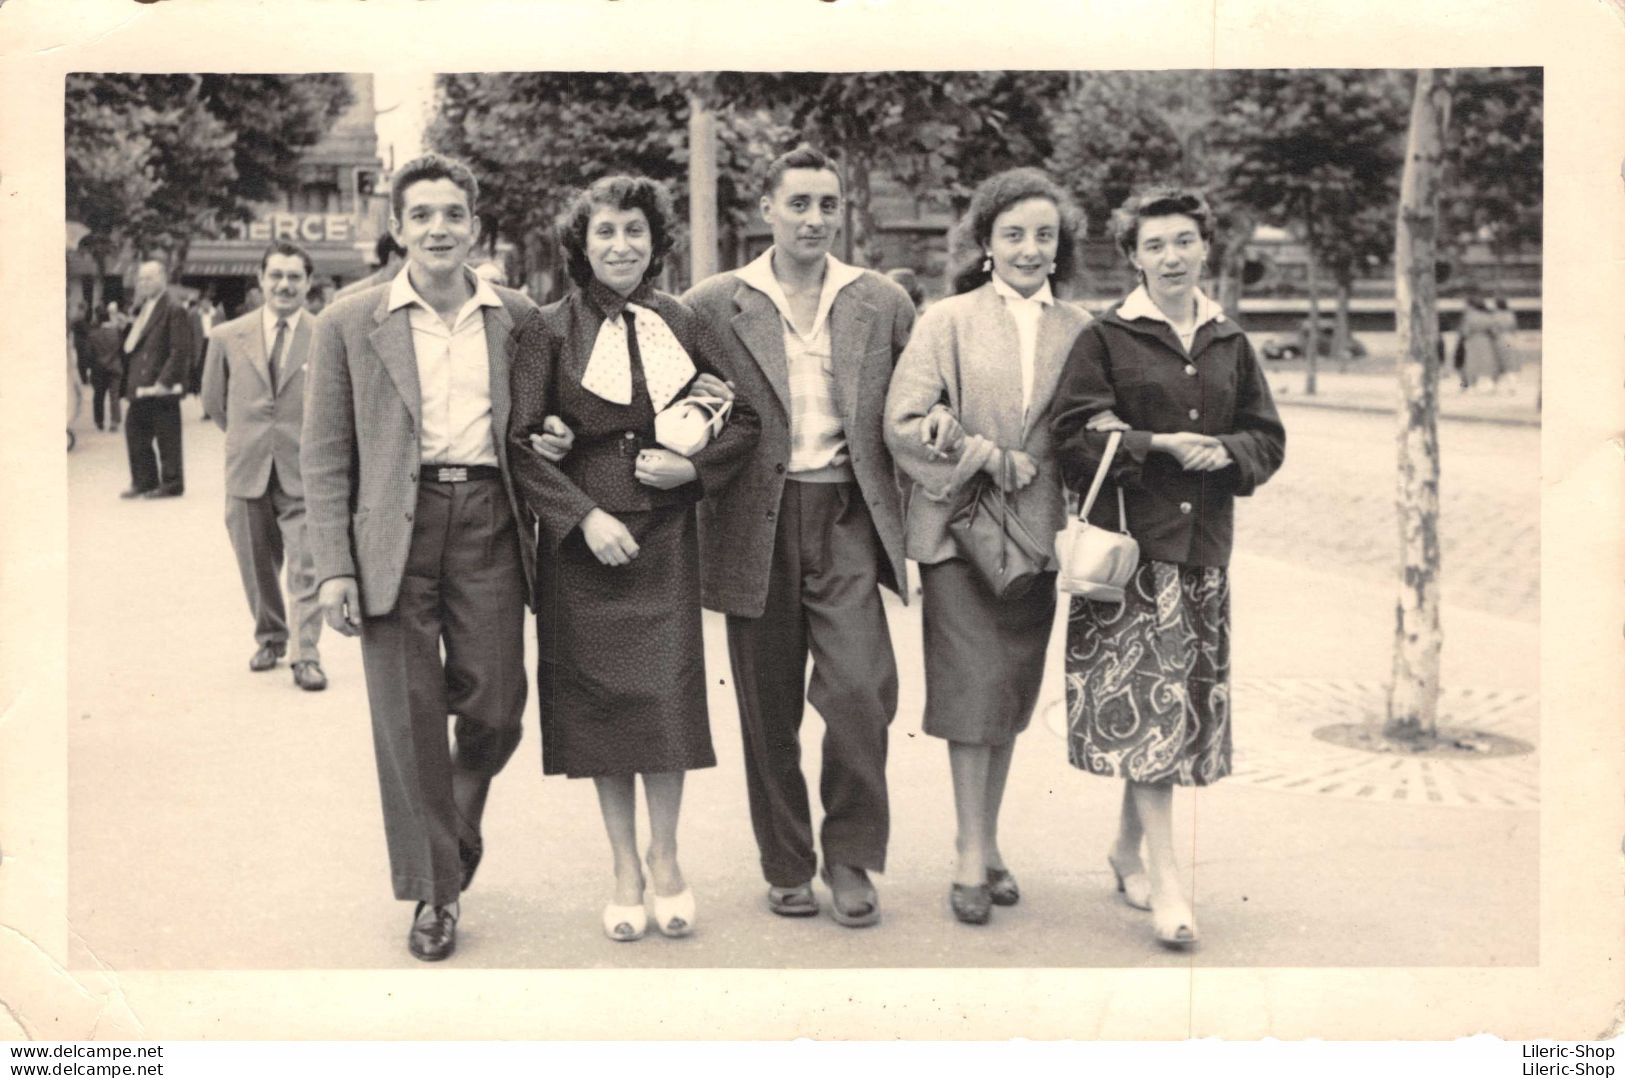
(687,426)
(1097,563)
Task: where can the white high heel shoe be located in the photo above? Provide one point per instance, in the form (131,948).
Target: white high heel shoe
(1173,922)
(1135,887)
(674,914)
(624,924)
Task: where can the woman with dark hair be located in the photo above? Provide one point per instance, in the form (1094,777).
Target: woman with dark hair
(621,677)
(986,360)
(1148,679)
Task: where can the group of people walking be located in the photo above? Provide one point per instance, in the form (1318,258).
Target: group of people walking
(773,446)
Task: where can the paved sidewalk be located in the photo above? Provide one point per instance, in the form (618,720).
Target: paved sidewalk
(222,819)
(1377,391)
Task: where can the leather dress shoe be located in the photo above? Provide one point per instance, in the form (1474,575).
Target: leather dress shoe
(266,657)
(168,490)
(434,933)
(136,492)
(307,674)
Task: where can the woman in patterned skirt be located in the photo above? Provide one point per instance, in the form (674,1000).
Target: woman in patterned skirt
(1148,680)
(621,675)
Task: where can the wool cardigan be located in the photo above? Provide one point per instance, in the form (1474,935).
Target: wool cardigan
(965,352)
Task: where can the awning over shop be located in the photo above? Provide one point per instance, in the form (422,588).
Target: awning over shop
(221,269)
(238,259)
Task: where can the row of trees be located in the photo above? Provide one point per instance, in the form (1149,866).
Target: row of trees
(155,161)
(1317,152)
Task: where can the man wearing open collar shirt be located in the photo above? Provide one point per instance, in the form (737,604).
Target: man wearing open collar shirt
(796,547)
(419,542)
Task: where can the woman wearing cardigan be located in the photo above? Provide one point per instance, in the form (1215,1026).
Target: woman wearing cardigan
(1148,680)
(621,676)
(993,352)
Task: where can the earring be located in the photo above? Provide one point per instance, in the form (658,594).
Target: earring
(987,264)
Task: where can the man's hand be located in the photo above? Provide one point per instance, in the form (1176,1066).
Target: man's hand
(709,385)
(340,601)
(941,432)
(555,440)
(663,469)
(608,538)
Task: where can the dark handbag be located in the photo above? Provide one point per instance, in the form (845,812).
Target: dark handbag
(995,540)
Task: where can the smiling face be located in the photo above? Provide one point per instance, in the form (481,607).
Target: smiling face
(1023,243)
(1170,252)
(436,227)
(285,283)
(619,245)
(150,280)
(804,212)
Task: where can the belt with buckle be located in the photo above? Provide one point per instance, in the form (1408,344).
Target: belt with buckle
(458,473)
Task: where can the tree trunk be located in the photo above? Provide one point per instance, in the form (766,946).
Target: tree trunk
(97,285)
(1340,325)
(702,191)
(1232,264)
(1311,340)
(863,237)
(1413,697)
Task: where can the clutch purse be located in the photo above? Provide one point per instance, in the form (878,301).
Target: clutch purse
(1097,563)
(1006,555)
(687,426)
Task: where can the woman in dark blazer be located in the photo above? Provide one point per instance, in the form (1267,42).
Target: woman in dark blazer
(993,352)
(1148,681)
(621,676)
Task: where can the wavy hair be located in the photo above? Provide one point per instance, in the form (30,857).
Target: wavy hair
(617,193)
(971,236)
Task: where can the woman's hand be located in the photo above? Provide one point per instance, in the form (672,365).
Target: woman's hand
(1021,469)
(663,469)
(709,385)
(1195,452)
(608,538)
(555,440)
(1105,421)
(941,432)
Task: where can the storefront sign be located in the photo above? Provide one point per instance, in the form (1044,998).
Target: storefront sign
(304,228)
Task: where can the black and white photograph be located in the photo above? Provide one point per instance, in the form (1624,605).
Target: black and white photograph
(986,524)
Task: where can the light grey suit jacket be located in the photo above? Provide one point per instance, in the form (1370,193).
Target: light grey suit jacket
(966,351)
(262,428)
(360,451)
(869,324)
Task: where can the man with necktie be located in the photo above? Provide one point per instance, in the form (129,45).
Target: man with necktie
(157,356)
(254,388)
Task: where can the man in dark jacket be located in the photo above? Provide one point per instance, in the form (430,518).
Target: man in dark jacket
(158,353)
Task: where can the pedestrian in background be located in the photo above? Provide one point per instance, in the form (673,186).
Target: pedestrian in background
(621,674)
(1148,680)
(104,345)
(1479,329)
(158,353)
(994,351)
(1506,354)
(253,386)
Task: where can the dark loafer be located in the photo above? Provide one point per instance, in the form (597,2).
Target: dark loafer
(469,853)
(853,906)
(168,490)
(972,903)
(308,676)
(1002,885)
(266,657)
(135,492)
(798,901)
(434,933)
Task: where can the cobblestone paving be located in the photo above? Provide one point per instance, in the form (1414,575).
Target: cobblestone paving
(1280,752)
(1332,507)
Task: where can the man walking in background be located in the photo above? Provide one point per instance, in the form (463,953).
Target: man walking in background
(158,355)
(254,388)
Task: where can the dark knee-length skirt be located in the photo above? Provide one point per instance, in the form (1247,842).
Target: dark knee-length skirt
(984,656)
(1148,682)
(621,677)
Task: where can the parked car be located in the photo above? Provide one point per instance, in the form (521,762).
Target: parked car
(1287,346)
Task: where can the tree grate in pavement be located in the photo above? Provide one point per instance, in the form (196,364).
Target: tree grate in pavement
(1277,721)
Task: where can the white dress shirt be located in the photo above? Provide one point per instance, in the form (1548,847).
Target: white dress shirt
(268,320)
(1026,310)
(817,435)
(454,374)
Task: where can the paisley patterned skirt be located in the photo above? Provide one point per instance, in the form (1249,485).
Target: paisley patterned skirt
(1148,682)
